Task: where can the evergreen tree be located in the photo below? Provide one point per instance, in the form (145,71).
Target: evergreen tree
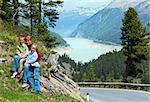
(9,10)
(15,17)
(84,77)
(91,74)
(148,29)
(6,11)
(39,12)
(134,42)
(1,2)
(42,13)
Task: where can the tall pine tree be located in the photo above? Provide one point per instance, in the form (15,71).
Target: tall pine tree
(134,41)
(42,13)
(148,29)
(91,73)
(6,12)
(9,10)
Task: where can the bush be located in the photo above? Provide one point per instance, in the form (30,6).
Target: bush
(47,40)
(9,38)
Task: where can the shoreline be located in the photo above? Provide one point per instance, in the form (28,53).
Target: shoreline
(61,49)
(80,47)
(97,41)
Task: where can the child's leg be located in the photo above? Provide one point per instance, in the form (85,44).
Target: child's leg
(30,78)
(15,63)
(37,79)
(25,74)
(21,65)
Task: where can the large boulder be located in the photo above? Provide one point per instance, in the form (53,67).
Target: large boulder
(57,82)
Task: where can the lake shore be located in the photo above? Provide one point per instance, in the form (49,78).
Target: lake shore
(79,49)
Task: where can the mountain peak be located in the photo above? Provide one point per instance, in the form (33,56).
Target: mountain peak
(105,24)
(124,4)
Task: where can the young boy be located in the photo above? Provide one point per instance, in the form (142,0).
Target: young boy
(21,51)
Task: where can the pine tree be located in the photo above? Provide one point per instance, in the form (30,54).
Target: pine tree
(1,2)
(15,17)
(91,74)
(9,10)
(6,11)
(134,42)
(41,13)
(51,12)
(148,29)
(84,77)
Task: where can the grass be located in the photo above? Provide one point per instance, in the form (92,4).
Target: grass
(11,91)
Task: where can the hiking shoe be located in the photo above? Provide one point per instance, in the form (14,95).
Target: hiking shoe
(32,91)
(14,75)
(24,85)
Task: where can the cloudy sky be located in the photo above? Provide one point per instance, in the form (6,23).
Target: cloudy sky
(72,4)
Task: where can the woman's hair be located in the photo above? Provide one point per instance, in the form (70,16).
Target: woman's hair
(28,37)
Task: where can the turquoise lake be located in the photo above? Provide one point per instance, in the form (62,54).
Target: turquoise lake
(84,50)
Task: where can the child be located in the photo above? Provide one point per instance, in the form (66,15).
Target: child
(32,67)
(21,51)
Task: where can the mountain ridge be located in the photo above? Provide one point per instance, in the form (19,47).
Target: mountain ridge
(98,27)
(69,20)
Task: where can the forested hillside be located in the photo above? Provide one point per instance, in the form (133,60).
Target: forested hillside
(107,68)
(129,65)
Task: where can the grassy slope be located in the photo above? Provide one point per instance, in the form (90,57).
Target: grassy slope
(10,89)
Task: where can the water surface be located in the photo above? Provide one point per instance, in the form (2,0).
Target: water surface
(85,50)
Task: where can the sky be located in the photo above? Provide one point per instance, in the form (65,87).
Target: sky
(72,4)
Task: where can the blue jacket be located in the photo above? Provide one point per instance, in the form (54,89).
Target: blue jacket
(31,58)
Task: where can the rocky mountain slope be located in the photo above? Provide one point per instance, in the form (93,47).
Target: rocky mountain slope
(69,20)
(105,25)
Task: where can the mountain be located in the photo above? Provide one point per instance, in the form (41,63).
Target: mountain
(69,20)
(59,39)
(105,24)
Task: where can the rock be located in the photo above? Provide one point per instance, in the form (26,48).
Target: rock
(57,82)
(67,69)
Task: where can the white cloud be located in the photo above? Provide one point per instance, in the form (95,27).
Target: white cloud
(71,4)
(94,1)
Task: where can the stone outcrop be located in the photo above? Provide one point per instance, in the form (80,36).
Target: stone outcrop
(57,82)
